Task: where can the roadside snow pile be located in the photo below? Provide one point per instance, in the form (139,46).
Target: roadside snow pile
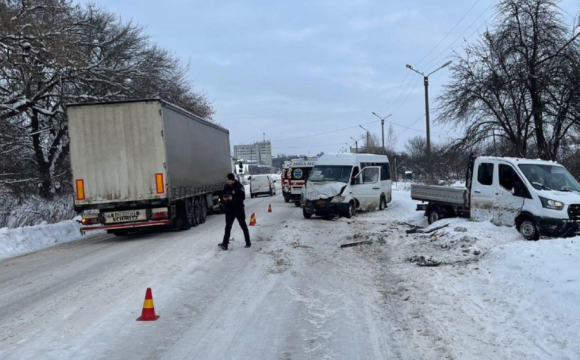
(19,241)
(482,292)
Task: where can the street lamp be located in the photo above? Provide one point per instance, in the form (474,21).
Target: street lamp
(356,142)
(426,83)
(383,128)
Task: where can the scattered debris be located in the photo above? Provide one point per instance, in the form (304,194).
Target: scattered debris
(422,261)
(460,229)
(423,231)
(368,242)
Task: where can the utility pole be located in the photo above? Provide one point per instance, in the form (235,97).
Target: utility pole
(426,83)
(368,133)
(383,129)
(356,142)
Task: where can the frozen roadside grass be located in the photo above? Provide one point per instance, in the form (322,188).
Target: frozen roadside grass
(492,295)
(33,210)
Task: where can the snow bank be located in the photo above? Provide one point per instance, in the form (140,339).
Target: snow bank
(492,295)
(19,241)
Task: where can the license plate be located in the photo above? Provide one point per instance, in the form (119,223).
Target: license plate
(125,216)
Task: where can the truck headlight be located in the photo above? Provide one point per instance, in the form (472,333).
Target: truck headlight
(551,204)
(337,199)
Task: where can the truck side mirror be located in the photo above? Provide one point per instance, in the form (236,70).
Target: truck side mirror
(518,189)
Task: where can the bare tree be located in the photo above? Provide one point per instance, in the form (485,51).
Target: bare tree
(519,83)
(53,53)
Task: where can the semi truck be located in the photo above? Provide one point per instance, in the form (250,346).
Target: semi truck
(539,197)
(145,163)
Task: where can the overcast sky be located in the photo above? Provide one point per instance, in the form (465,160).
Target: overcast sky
(291,69)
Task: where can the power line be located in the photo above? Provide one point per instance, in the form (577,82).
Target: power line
(307,146)
(438,57)
(324,133)
(450,31)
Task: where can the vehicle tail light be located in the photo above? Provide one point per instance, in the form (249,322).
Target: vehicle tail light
(80,183)
(160,215)
(159,184)
(90,221)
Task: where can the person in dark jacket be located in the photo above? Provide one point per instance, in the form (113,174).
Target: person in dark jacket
(233,200)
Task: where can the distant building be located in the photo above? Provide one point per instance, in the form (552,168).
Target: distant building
(260,153)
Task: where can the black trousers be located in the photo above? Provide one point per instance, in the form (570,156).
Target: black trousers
(230,217)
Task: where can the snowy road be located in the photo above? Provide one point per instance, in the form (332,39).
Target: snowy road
(293,295)
(296,295)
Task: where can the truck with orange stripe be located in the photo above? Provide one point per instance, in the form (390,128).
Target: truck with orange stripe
(145,163)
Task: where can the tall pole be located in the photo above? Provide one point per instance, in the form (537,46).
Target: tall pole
(426,82)
(356,146)
(367,149)
(383,131)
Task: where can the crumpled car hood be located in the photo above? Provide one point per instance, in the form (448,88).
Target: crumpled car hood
(316,191)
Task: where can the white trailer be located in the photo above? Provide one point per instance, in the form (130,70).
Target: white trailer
(145,163)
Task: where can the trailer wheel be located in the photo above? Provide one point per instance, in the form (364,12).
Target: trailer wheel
(185,210)
(297,203)
(434,214)
(306,214)
(203,209)
(196,212)
(286,200)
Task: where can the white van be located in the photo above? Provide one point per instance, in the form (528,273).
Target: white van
(538,197)
(340,184)
(262,184)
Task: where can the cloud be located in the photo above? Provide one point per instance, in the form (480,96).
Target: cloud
(214,60)
(360,24)
(292,34)
(363,78)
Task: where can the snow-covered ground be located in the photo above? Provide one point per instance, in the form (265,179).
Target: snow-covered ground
(296,294)
(27,239)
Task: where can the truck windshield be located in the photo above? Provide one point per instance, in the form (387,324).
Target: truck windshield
(330,173)
(549,177)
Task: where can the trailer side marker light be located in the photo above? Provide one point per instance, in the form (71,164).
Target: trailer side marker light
(80,189)
(159,183)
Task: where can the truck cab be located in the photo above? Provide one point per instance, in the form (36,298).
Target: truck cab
(539,197)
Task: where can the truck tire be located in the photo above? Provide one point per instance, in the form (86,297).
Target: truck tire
(203,209)
(528,229)
(196,212)
(297,204)
(306,214)
(286,200)
(434,214)
(184,212)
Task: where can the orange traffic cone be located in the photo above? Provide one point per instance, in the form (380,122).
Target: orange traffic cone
(270,208)
(148,313)
(253,219)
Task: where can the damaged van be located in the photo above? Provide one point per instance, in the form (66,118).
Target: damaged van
(341,184)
